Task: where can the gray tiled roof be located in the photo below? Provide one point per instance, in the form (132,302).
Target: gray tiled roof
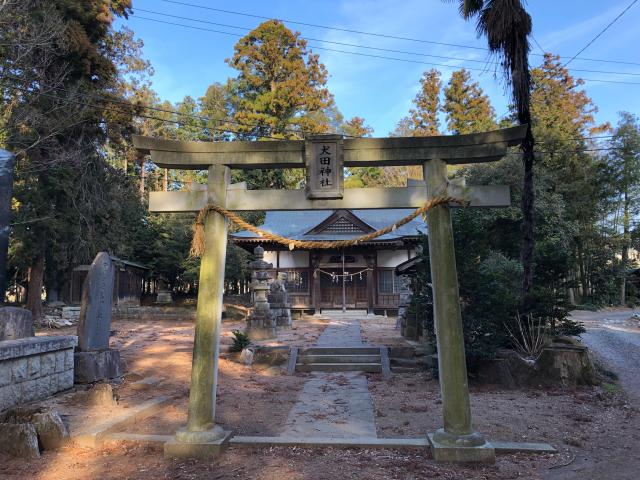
(294,224)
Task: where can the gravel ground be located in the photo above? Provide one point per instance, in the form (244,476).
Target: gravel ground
(614,336)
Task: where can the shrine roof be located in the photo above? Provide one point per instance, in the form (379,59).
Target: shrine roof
(307,225)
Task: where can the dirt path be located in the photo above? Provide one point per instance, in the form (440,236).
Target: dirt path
(614,335)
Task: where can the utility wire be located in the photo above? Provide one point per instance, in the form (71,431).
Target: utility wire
(163,110)
(602,31)
(406,60)
(373,34)
(345,44)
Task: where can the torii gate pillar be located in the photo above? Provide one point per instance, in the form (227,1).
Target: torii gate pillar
(456,441)
(202,438)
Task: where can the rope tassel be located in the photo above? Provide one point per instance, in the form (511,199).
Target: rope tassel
(198,242)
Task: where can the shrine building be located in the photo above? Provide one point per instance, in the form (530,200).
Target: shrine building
(316,277)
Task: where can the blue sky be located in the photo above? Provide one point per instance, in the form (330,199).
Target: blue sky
(186,61)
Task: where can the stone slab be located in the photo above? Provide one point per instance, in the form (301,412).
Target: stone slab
(451,454)
(384,361)
(137,438)
(35,345)
(291,363)
(15,323)
(203,451)
(97,365)
(319,442)
(92,436)
(522,447)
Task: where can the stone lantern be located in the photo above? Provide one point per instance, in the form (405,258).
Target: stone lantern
(261,324)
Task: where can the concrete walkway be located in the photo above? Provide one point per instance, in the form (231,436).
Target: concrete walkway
(334,405)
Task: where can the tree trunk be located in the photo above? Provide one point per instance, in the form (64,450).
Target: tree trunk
(34,289)
(143,176)
(165,180)
(584,294)
(625,251)
(528,198)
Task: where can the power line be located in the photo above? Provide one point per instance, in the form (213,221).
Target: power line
(345,44)
(128,112)
(373,34)
(602,31)
(406,60)
(163,110)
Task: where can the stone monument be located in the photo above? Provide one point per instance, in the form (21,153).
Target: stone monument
(260,323)
(15,323)
(95,360)
(279,301)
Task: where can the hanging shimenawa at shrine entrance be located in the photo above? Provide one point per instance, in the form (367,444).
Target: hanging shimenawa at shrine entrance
(324,158)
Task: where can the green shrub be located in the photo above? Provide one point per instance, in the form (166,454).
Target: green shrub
(240,341)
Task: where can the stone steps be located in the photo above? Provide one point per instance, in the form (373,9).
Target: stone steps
(339,359)
(307,359)
(340,367)
(339,351)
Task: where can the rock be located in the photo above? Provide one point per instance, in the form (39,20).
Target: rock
(558,365)
(95,313)
(101,395)
(51,431)
(246,356)
(15,323)
(19,440)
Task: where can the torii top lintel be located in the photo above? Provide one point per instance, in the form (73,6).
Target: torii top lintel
(358,152)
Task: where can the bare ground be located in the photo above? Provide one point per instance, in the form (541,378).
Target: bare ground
(596,431)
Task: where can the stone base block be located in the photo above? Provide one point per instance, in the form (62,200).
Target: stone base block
(201,450)
(445,453)
(95,366)
(261,333)
(164,297)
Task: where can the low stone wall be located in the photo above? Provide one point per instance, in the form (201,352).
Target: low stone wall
(153,313)
(34,368)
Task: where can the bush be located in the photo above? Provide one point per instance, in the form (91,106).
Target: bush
(240,341)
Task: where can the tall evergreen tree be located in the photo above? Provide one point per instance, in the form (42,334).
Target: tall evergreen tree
(423,120)
(280,84)
(64,188)
(563,116)
(624,171)
(468,109)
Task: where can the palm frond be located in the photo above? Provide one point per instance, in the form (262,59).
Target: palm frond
(507,26)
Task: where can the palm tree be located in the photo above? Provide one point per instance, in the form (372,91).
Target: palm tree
(507,25)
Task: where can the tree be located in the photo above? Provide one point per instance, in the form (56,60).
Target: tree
(356,127)
(507,26)
(468,109)
(422,120)
(280,84)
(563,117)
(68,199)
(624,170)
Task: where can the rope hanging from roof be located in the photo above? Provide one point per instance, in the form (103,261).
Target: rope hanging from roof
(198,243)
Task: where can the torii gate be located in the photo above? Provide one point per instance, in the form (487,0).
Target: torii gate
(201,437)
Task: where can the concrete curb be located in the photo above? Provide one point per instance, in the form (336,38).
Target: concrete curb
(93,436)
